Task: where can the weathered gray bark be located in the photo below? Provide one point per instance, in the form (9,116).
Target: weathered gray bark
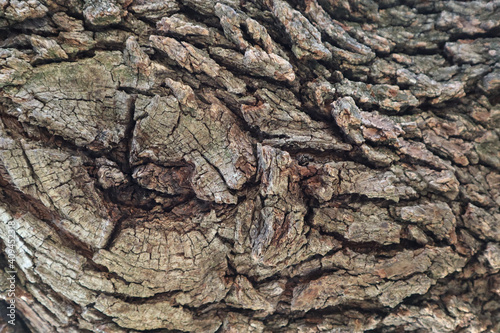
(267,166)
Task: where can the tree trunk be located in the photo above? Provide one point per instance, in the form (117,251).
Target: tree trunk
(237,166)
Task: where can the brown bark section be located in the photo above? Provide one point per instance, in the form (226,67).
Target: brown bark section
(234,166)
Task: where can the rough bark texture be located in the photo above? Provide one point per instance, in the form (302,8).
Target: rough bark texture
(237,166)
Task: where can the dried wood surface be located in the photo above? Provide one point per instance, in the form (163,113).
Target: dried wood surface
(251,166)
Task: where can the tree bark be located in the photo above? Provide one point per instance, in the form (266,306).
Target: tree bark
(237,166)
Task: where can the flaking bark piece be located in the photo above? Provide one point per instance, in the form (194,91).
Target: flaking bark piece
(197,61)
(207,7)
(437,217)
(348,118)
(387,97)
(275,111)
(193,31)
(369,223)
(482,223)
(102,13)
(335,30)
(153,9)
(362,279)
(19,11)
(47,49)
(340,178)
(305,37)
(256,62)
